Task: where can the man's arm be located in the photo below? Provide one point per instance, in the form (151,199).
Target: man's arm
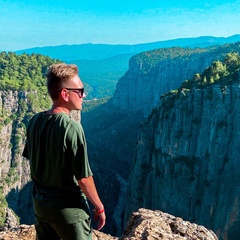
(89,189)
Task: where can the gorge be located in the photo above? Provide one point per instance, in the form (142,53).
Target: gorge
(183,160)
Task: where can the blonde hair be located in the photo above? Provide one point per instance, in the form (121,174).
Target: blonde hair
(57,75)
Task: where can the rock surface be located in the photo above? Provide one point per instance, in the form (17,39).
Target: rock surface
(143,224)
(149,225)
(187,160)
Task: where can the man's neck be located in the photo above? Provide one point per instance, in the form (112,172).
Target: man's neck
(57,109)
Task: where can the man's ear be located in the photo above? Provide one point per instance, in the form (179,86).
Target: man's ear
(65,95)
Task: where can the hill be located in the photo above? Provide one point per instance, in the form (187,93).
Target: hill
(101,51)
(102,65)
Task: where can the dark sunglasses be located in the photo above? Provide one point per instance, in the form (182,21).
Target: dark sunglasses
(79,91)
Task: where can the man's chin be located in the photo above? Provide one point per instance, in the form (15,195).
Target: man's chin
(78,108)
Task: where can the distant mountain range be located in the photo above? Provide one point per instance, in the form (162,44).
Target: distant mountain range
(102,51)
(102,65)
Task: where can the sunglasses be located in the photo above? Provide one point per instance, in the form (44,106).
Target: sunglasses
(79,91)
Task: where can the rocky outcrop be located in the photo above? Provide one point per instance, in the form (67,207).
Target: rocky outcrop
(187,158)
(147,224)
(143,224)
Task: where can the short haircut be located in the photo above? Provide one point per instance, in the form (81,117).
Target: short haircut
(57,75)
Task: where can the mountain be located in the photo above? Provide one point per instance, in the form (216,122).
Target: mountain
(101,51)
(101,65)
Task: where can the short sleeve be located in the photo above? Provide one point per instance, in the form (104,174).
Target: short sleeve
(77,147)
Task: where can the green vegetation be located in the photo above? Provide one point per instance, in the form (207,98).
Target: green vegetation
(3,206)
(26,73)
(12,176)
(147,60)
(23,72)
(224,73)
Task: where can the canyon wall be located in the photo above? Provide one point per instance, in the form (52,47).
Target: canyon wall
(157,72)
(187,159)
(14,170)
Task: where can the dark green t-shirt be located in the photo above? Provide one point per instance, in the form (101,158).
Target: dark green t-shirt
(57,151)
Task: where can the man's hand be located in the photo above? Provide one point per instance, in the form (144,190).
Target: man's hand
(88,187)
(100,217)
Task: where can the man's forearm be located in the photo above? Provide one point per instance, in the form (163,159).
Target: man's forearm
(89,189)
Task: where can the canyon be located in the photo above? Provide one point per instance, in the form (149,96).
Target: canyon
(177,152)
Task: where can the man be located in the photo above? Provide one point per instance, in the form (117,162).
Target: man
(60,171)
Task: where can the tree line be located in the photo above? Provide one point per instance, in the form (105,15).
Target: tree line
(220,71)
(23,72)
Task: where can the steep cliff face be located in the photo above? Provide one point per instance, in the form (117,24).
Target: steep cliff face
(13,137)
(187,159)
(154,73)
(14,170)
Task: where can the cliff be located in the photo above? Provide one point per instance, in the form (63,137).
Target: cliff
(187,157)
(143,224)
(14,170)
(159,71)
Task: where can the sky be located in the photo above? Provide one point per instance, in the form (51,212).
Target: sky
(36,23)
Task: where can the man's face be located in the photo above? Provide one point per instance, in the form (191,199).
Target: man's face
(76,94)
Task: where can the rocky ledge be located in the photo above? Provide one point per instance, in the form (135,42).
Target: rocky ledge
(144,224)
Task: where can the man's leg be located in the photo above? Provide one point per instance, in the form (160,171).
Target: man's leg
(44,231)
(77,231)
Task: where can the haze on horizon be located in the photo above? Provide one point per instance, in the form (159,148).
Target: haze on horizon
(30,23)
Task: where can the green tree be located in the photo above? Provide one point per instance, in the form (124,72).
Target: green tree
(232,61)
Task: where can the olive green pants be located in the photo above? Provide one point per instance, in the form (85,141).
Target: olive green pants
(56,231)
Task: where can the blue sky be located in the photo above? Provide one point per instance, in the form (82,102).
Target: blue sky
(29,23)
